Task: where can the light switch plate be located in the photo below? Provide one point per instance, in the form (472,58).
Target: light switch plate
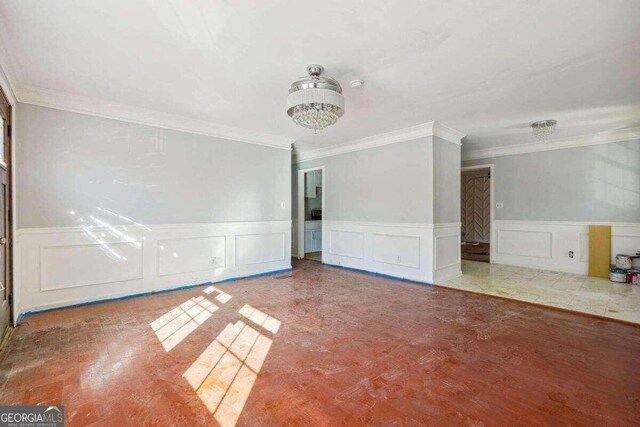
(499,205)
(283,205)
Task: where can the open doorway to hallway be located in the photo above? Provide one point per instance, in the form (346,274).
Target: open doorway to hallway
(477,212)
(310,210)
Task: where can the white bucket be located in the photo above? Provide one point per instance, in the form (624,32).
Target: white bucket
(623,261)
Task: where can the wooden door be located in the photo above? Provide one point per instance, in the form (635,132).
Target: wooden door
(476,205)
(5,206)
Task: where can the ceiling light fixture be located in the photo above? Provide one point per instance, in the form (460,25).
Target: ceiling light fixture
(315,102)
(543,129)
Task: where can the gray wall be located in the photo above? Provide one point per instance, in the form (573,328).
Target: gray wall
(68,161)
(446,182)
(391,183)
(593,183)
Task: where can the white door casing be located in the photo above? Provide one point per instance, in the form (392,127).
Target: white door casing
(300,229)
(491,202)
(476,205)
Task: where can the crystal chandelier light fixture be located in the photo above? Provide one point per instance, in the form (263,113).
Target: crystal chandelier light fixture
(315,102)
(543,129)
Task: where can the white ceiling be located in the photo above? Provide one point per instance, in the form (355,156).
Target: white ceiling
(487,68)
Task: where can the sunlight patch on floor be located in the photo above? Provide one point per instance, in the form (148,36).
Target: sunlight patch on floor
(224,374)
(222,296)
(261,319)
(173,327)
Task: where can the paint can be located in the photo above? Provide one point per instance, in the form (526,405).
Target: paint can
(623,261)
(618,275)
(633,277)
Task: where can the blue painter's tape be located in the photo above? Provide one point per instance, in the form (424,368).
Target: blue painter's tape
(20,317)
(179,288)
(142,294)
(387,276)
(100,301)
(268,273)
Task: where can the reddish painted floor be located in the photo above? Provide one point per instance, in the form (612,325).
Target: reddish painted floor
(346,348)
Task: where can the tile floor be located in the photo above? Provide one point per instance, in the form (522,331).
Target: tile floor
(562,290)
(324,346)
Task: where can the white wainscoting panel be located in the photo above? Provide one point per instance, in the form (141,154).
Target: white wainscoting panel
(584,247)
(624,240)
(191,254)
(447,258)
(399,250)
(69,265)
(539,243)
(346,243)
(254,249)
(122,262)
(546,244)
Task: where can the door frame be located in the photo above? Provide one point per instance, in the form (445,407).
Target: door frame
(492,206)
(9,206)
(301,219)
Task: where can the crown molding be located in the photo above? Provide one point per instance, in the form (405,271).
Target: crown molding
(7,80)
(94,107)
(559,144)
(448,133)
(7,87)
(17,91)
(401,135)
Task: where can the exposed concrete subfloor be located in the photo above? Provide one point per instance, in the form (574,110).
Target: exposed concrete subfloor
(573,292)
(324,346)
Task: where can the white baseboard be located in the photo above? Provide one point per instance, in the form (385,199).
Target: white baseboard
(59,267)
(546,244)
(418,252)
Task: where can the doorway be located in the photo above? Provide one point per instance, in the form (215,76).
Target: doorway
(477,212)
(311,204)
(6,300)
